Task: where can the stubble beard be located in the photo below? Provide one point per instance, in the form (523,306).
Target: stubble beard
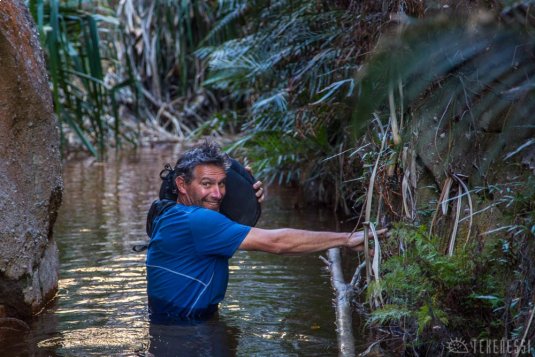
(205,203)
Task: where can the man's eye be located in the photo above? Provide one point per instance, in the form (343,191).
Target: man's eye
(206,184)
(221,184)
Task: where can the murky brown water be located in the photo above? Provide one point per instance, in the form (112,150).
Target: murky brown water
(275,306)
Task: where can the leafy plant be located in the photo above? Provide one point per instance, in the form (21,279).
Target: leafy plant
(453,83)
(84,86)
(388,314)
(160,39)
(456,97)
(294,73)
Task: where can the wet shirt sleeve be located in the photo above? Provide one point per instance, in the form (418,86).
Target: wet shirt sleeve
(215,234)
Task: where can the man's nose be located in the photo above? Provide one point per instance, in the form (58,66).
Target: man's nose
(217,193)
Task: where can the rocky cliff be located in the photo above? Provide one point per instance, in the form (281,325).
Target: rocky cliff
(30,168)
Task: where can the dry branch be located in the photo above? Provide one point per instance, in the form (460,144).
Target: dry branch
(344,293)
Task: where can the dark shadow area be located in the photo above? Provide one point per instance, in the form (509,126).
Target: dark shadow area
(194,338)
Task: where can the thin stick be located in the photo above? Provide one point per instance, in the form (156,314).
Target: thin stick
(455,225)
(445,198)
(367,217)
(525,333)
(393,118)
(445,190)
(356,276)
(376,260)
(401,109)
(471,208)
(438,127)
(369,349)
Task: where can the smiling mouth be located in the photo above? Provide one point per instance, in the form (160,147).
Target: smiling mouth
(213,205)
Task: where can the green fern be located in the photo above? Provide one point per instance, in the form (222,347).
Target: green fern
(428,315)
(389,314)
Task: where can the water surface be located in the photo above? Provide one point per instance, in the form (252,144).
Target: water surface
(275,306)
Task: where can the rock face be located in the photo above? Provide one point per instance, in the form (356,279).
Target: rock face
(30,168)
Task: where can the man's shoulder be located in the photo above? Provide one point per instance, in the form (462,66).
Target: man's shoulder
(196,212)
(176,212)
(208,214)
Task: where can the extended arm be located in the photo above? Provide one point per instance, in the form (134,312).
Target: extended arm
(296,241)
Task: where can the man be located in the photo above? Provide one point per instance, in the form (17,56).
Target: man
(187,259)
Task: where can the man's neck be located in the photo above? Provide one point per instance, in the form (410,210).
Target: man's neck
(182,200)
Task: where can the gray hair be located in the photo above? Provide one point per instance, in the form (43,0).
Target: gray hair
(207,153)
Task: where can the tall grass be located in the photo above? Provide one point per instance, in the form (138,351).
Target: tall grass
(160,40)
(78,39)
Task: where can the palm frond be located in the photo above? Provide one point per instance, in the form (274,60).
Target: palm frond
(276,101)
(475,79)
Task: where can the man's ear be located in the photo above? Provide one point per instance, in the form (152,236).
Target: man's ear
(180,184)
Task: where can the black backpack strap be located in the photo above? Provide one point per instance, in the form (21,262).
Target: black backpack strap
(138,248)
(168,188)
(156,209)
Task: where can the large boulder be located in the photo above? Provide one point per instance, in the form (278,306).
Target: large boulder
(30,168)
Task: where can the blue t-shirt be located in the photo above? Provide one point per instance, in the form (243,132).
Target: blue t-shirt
(187,262)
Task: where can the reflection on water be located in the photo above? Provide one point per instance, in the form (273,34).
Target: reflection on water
(277,306)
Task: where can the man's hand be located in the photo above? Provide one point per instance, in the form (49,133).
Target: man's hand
(259,191)
(356,241)
(258,187)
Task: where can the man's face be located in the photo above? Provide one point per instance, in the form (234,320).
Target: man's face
(206,189)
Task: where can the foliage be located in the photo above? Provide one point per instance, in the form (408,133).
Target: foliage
(160,38)
(458,81)
(389,313)
(81,56)
(421,279)
(119,74)
(453,102)
(293,65)
(477,292)
(435,98)
(448,100)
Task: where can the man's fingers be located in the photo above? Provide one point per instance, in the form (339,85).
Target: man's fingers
(260,192)
(260,195)
(360,248)
(378,231)
(382,231)
(359,235)
(248,169)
